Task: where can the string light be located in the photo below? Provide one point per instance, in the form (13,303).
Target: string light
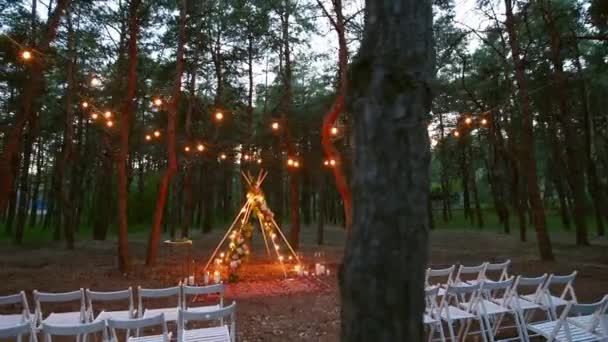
(148,137)
(275,126)
(290,162)
(332,162)
(246,157)
(107,114)
(296,164)
(26,55)
(456,134)
(259,161)
(85,104)
(95,82)
(484,121)
(157,134)
(326,163)
(158,102)
(110,123)
(334,131)
(200,147)
(94,116)
(223,156)
(468,121)
(219,116)
(187,148)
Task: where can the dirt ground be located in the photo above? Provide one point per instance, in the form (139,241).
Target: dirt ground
(270,307)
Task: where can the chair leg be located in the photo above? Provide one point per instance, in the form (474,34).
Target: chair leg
(431,332)
(464,330)
(518,325)
(441,334)
(451,331)
(489,330)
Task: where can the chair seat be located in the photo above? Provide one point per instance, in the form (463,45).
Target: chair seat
(213,334)
(11,320)
(118,315)
(63,318)
(151,338)
(545,329)
(585,322)
(523,304)
(427,319)
(493,308)
(455,313)
(207,308)
(170,313)
(556,301)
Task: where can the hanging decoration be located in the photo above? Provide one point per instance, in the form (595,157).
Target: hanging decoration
(240,232)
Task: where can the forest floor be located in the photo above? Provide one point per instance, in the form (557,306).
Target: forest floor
(270,307)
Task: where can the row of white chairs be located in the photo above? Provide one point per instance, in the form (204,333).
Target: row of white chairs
(473,293)
(90,301)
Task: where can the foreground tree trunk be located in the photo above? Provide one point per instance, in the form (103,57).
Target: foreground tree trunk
(171,121)
(383,273)
(527,140)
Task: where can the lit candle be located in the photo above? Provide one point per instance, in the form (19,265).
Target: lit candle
(216,277)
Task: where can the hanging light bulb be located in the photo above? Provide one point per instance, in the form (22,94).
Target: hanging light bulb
(223,156)
(110,123)
(200,147)
(26,55)
(94,116)
(259,161)
(456,134)
(296,164)
(157,134)
(85,104)
(332,162)
(246,157)
(219,116)
(290,162)
(187,148)
(107,114)
(95,82)
(334,131)
(484,121)
(148,137)
(158,102)
(326,162)
(468,120)
(275,126)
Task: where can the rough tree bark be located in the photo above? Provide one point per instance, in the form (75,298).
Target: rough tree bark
(171,121)
(527,140)
(383,273)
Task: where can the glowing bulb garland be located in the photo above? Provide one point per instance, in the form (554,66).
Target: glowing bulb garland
(26,55)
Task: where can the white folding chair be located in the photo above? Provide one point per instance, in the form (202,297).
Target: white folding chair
(451,311)
(500,270)
(591,320)
(222,333)
(200,291)
(470,274)
(551,302)
(564,330)
(495,304)
(110,296)
(439,276)
(16,332)
(60,318)
(77,330)
(431,317)
(140,325)
(170,313)
(14,319)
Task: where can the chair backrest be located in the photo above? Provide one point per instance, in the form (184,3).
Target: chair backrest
(564,281)
(502,270)
(25,328)
(523,285)
(446,273)
(185,316)
(202,290)
(109,296)
(158,293)
(499,291)
(17,299)
(461,294)
(597,310)
(475,272)
(59,297)
(138,324)
(49,330)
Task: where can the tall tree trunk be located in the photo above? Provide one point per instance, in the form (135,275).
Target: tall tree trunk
(23,182)
(322,210)
(575,168)
(124,263)
(337,107)
(527,140)
(187,190)
(171,148)
(36,186)
(29,103)
(383,272)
